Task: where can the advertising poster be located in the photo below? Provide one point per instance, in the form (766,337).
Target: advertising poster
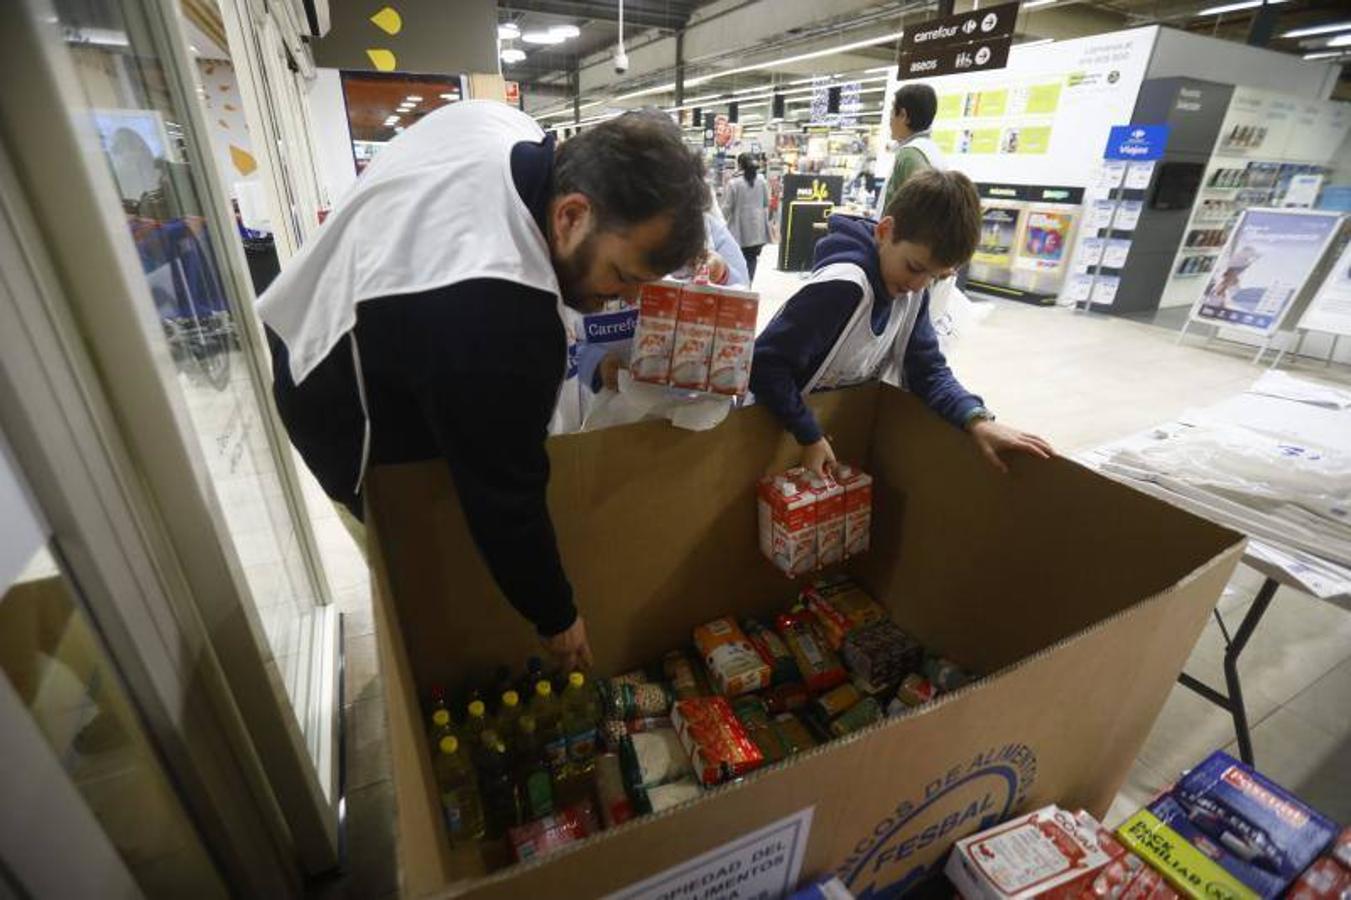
(1266,262)
(1044,241)
(1330,310)
(998,235)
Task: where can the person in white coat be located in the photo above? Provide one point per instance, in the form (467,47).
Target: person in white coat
(425,319)
(745,204)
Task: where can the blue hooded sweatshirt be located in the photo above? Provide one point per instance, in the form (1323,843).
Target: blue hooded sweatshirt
(797,342)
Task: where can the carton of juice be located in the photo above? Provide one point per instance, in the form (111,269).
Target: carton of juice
(858,508)
(654,335)
(695,324)
(787,515)
(733,342)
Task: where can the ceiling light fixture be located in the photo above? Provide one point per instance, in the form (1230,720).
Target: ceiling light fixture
(1036,43)
(1318,29)
(508,31)
(547,38)
(1341,40)
(1236,7)
(513,55)
(1325,54)
(412,98)
(800,57)
(1036,3)
(565,31)
(451,97)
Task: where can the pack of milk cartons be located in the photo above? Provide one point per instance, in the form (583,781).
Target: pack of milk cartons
(809,521)
(696,337)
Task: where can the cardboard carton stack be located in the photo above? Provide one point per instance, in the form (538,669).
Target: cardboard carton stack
(807,522)
(696,337)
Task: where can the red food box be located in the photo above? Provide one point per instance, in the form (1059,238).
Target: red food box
(654,335)
(1082,887)
(719,745)
(1326,879)
(693,348)
(551,832)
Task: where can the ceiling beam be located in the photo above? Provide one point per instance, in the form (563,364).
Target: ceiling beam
(602,10)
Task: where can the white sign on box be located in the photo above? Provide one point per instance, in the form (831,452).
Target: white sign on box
(764,863)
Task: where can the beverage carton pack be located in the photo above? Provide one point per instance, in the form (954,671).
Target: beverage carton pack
(654,335)
(787,516)
(693,348)
(733,342)
(858,508)
(829,495)
(733,662)
(1029,856)
(840,607)
(1226,827)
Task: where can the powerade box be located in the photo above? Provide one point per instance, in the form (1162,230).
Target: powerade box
(1226,831)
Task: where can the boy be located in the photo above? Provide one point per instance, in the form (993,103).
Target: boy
(866,309)
(912,112)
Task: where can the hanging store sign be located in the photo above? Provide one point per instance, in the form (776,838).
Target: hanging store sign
(967,42)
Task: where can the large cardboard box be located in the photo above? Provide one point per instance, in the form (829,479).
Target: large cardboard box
(1079,597)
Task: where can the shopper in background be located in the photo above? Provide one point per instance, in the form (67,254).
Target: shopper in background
(424,319)
(864,314)
(912,112)
(745,203)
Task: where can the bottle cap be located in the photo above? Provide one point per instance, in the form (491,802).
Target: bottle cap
(543,688)
(576,679)
(450,744)
(510,699)
(441,717)
(477,709)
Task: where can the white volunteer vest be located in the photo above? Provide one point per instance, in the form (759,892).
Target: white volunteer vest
(859,355)
(438,206)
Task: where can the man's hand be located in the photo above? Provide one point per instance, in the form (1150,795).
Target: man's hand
(818,456)
(609,371)
(995,439)
(570,647)
(717,267)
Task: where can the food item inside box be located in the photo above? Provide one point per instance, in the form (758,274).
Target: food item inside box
(841,606)
(718,745)
(668,795)
(733,342)
(1341,848)
(695,322)
(686,675)
(773,651)
(545,835)
(654,335)
(650,758)
(787,697)
(821,669)
(1225,826)
(787,521)
(944,674)
(859,716)
(732,661)
(1326,879)
(615,805)
(836,702)
(634,701)
(754,715)
(881,653)
(1029,856)
(915,691)
(794,736)
(637,676)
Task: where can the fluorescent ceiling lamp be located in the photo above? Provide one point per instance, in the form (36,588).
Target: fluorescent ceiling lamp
(1036,43)
(413,98)
(801,57)
(542,37)
(513,55)
(508,31)
(1036,3)
(1235,7)
(1324,54)
(1318,29)
(1341,40)
(193,48)
(565,31)
(450,96)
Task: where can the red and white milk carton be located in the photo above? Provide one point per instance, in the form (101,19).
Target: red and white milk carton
(858,508)
(830,516)
(694,329)
(1029,856)
(787,514)
(654,335)
(733,342)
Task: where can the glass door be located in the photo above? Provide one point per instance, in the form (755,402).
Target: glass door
(143,242)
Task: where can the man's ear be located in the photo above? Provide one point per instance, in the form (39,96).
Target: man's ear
(571,219)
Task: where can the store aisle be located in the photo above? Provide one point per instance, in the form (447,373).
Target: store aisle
(1079,381)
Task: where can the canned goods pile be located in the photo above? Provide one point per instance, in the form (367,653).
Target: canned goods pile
(557,758)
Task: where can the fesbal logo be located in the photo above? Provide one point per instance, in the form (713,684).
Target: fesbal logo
(902,848)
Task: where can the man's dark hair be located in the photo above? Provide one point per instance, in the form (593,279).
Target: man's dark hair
(941,211)
(634,167)
(919,102)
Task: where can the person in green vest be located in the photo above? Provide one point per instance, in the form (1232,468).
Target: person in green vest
(912,112)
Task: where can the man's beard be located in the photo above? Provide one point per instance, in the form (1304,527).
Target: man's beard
(572,273)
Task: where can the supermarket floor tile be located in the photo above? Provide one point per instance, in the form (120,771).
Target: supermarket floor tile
(1080,381)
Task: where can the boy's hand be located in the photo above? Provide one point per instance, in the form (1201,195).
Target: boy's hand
(818,456)
(609,371)
(570,647)
(717,268)
(995,439)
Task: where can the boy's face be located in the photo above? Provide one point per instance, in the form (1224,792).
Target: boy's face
(906,266)
(900,126)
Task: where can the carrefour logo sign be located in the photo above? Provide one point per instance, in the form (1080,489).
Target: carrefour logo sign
(1138,142)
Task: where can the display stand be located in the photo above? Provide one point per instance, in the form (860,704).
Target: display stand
(1329,309)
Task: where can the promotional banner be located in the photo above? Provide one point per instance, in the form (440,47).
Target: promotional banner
(1330,310)
(998,235)
(1044,241)
(1268,259)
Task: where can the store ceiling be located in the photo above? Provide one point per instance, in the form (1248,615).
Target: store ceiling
(372,98)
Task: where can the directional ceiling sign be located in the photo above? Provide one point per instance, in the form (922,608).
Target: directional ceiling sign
(965,42)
